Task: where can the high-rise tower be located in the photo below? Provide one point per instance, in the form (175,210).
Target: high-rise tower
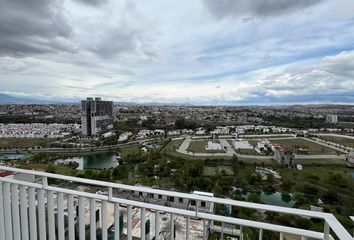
(96,116)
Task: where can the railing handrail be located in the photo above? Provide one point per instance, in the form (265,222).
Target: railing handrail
(340,231)
(178,211)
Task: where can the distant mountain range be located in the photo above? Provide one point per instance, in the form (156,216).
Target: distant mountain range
(6,99)
(10,99)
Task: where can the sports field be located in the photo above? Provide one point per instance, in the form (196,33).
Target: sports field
(199,147)
(315,149)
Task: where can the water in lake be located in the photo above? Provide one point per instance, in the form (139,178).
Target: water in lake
(95,161)
(271,198)
(9,157)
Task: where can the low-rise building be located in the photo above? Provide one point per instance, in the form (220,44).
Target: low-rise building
(144,134)
(242,144)
(213,145)
(284,156)
(124,136)
(263,146)
(331,118)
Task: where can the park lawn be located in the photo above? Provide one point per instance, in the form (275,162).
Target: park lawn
(173,145)
(209,171)
(340,140)
(125,151)
(314,148)
(319,177)
(321,162)
(212,171)
(23,142)
(199,147)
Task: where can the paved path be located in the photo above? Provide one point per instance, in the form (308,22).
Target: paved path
(266,135)
(75,150)
(335,135)
(184,146)
(325,145)
(342,157)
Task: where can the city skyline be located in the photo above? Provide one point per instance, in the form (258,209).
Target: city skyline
(201,52)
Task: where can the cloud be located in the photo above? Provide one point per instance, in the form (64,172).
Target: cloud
(331,77)
(170,51)
(260,8)
(34,27)
(92,2)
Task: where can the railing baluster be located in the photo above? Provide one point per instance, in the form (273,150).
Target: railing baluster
(60,207)
(187,228)
(172,226)
(260,234)
(24,212)
(71,216)
(2,223)
(104,220)
(51,216)
(157,225)
(32,213)
(7,211)
(222,230)
(326,231)
(41,215)
(204,230)
(81,218)
(281,236)
(116,221)
(129,222)
(93,224)
(15,212)
(142,224)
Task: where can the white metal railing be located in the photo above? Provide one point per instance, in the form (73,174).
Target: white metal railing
(31,211)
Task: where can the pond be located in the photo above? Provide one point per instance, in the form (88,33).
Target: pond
(94,161)
(270,198)
(10,157)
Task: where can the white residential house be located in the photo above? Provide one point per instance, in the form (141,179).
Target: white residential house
(144,134)
(242,144)
(124,136)
(174,133)
(213,145)
(263,145)
(159,132)
(200,131)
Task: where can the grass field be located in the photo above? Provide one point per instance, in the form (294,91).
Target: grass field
(199,147)
(23,142)
(129,150)
(314,148)
(340,140)
(315,162)
(320,178)
(213,171)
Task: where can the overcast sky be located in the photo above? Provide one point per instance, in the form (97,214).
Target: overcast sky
(185,51)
